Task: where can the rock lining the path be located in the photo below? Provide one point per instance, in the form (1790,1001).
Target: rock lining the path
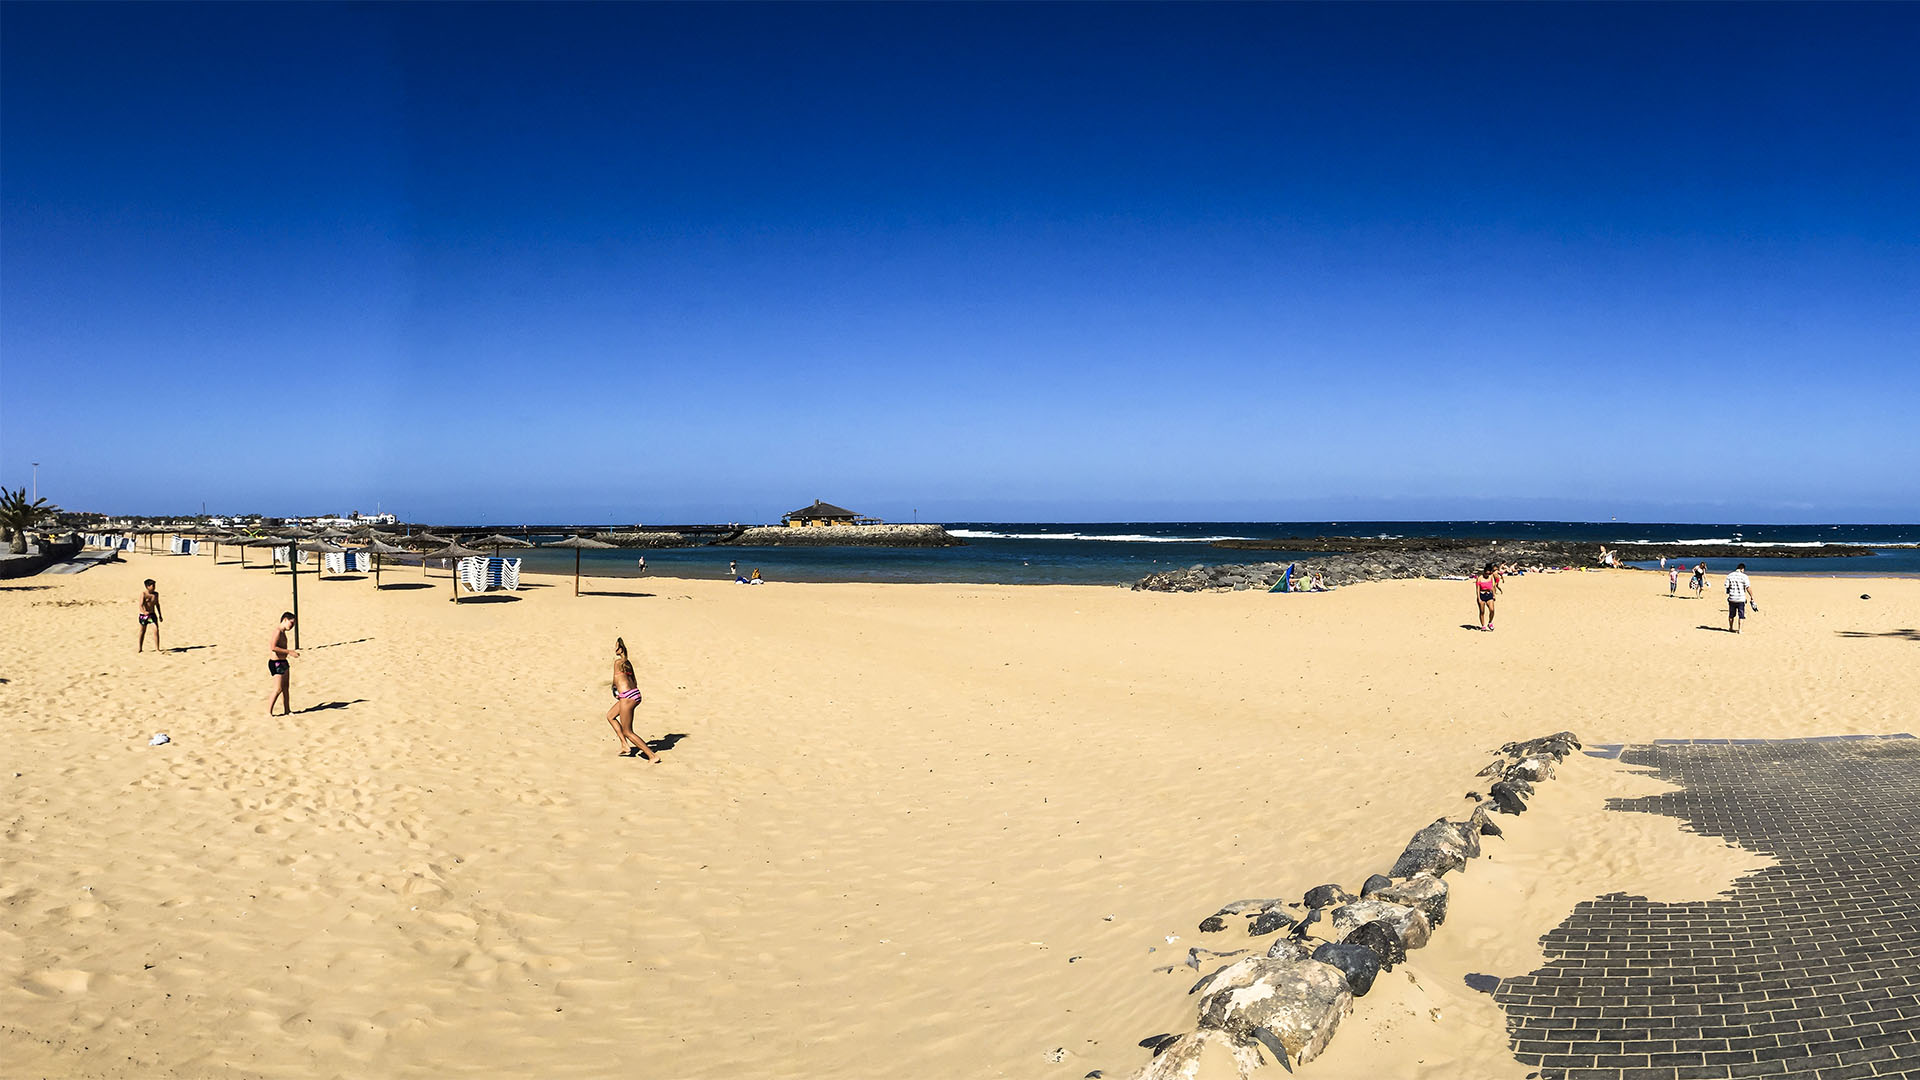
(1290,1002)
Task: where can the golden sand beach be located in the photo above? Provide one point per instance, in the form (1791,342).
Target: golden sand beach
(904,830)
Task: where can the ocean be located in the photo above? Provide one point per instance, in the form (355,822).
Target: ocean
(1122,552)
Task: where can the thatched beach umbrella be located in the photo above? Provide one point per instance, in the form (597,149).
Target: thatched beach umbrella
(578,544)
(452,551)
(377,548)
(496,542)
(319,547)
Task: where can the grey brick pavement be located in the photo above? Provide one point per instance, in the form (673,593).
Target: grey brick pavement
(1808,969)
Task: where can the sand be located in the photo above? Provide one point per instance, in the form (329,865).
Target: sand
(904,829)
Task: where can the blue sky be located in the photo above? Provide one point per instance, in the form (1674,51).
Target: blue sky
(1064,262)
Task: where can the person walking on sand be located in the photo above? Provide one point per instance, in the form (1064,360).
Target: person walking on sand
(1739,597)
(626,697)
(149,615)
(1486,585)
(1673,580)
(1699,582)
(277,656)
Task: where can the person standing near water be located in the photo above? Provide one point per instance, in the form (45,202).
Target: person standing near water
(149,615)
(1673,581)
(277,656)
(626,698)
(1486,585)
(733,569)
(1699,582)
(1739,596)
(643,564)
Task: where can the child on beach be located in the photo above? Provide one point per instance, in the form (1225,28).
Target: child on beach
(1486,585)
(149,615)
(626,697)
(277,656)
(1673,581)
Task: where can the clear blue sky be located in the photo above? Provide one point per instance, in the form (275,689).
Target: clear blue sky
(1073,262)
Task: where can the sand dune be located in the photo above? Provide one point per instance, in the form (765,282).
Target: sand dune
(904,830)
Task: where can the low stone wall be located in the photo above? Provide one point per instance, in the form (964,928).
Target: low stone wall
(1289,1002)
(845,536)
(645,540)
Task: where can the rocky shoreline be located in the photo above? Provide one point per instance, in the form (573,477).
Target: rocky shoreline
(1577,553)
(903,536)
(1352,560)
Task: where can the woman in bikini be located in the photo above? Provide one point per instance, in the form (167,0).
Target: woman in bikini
(626,696)
(1486,584)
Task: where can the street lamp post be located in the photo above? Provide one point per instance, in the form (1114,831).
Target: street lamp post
(36,481)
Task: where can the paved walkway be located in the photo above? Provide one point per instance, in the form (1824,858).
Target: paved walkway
(1808,969)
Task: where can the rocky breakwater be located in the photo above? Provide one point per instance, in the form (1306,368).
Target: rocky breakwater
(643,540)
(1351,560)
(1289,1002)
(907,536)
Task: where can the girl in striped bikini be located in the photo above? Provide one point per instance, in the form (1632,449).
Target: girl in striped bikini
(626,697)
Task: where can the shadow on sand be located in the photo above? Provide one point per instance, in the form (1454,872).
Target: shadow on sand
(1715,629)
(403,586)
(331,644)
(325,705)
(489,599)
(1907,634)
(189,648)
(665,742)
(611,592)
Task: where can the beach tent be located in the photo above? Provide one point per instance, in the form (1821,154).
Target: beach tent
(451,551)
(578,544)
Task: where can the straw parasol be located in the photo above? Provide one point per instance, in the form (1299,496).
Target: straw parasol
(497,541)
(451,551)
(379,547)
(319,547)
(422,541)
(578,544)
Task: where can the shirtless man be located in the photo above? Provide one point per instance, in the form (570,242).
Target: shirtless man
(150,615)
(277,656)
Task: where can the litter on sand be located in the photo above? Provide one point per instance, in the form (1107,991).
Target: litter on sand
(159,739)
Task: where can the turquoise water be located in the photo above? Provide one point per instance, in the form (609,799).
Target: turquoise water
(1119,553)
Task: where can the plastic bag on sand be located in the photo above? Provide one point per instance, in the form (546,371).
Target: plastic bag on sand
(159,739)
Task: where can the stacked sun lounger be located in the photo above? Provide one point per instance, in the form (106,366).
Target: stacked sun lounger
(487,574)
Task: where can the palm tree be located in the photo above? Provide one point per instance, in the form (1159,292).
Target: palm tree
(18,514)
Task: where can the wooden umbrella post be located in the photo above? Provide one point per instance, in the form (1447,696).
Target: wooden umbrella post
(576,571)
(293,564)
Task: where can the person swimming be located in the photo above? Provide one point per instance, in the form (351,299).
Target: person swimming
(626,698)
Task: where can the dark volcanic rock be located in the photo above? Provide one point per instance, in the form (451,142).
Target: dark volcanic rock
(1268,921)
(1507,798)
(1357,962)
(1383,940)
(1439,848)
(1217,921)
(1377,881)
(1325,895)
(1298,1002)
(1424,892)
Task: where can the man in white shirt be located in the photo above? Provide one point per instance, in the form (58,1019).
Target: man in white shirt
(1739,595)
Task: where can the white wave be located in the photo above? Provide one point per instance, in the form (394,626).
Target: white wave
(1119,538)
